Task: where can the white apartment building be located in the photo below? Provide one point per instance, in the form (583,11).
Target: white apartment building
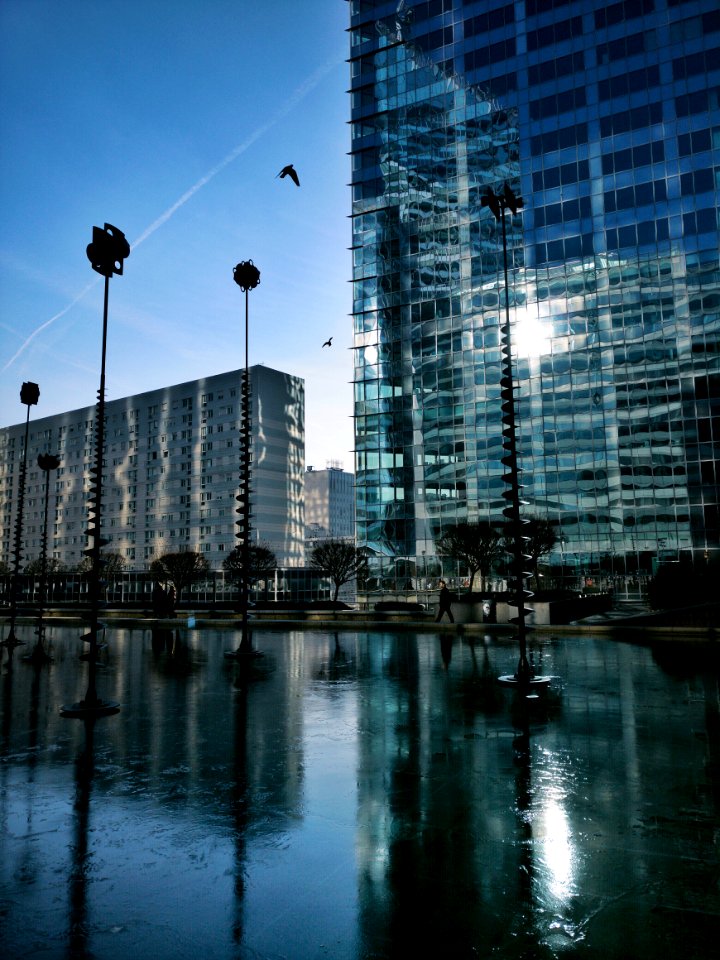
(329,503)
(171,473)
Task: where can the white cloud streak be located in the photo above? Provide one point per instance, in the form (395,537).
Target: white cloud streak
(306,87)
(43,326)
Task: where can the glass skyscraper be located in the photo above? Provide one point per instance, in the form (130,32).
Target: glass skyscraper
(605,119)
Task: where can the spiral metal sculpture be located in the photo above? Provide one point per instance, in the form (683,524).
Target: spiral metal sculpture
(247,277)
(106,254)
(499,204)
(29,395)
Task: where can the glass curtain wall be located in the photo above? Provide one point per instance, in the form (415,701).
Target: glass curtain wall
(606,119)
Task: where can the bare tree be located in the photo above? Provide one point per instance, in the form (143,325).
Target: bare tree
(34,567)
(261,564)
(179,569)
(112,564)
(476,545)
(541,538)
(339,560)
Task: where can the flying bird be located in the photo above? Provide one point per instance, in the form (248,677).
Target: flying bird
(289,171)
(328,343)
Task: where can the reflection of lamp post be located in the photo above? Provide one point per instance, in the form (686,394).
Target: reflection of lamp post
(46,462)
(499,204)
(106,254)
(29,395)
(247,276)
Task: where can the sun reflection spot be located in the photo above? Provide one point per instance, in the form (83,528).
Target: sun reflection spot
(557,850)
(530,336)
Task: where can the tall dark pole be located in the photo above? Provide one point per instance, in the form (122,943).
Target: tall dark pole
(29,395)
(106,254)
(499,204)
(247,276)
(46,462)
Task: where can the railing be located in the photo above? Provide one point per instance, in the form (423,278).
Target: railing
(136,589)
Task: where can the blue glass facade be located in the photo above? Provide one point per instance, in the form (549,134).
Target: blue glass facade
(605,118)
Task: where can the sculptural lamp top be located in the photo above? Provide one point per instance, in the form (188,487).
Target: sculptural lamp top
(246,275)
(29,393)
(48,461)
(108,250)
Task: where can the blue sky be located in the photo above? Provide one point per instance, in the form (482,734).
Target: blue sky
(170,119)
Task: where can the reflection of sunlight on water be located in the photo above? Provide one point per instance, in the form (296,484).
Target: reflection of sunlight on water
(557,849)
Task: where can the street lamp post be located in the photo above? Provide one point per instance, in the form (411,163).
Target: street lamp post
(29,395)
(524,676)
(106,254)
(247,276)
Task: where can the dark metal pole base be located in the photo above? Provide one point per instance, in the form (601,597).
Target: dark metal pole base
(12,642)
(528,685)
(38,656)
(85,709)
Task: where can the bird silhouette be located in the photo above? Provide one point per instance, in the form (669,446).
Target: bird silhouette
(289,171)
(328,343)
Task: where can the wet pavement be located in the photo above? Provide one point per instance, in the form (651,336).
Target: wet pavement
(360,796)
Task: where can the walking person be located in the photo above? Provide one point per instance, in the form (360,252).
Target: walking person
(444,602)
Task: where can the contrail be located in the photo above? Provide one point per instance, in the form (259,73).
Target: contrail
(306,87)
(299,94)
(47,323)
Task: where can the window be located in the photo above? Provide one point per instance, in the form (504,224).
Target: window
(554,33)
(634,119)
(568,248)
(493,53)
(694,142)
(562,212)
(633,157)
(638,195)
(621,48)
(485,22)
(560,67)
(634,234)
(700,221)
(621,12)
(702,101)
(563,175)
(701,62)
(557,103)
(699,181)
(631,82)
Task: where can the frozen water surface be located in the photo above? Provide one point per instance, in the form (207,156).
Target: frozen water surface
(359,796)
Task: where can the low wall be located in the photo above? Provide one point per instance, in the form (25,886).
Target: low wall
(542,612)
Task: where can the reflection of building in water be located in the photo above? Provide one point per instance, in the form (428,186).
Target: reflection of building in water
(172,468)
(605,119)
(329,504)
